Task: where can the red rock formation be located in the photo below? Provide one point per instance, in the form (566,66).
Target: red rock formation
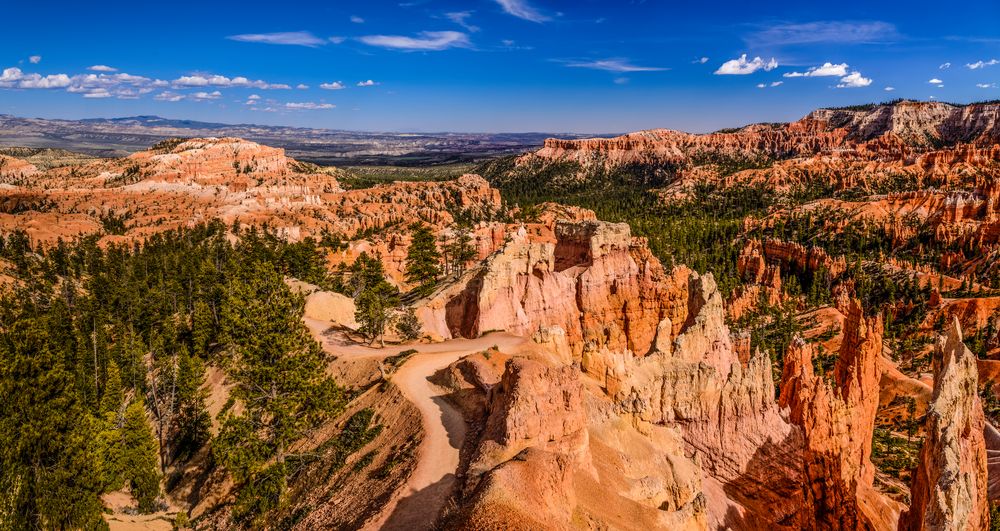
(837,424)
(595,282)
(949,488)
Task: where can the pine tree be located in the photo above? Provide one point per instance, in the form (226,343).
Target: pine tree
(279,372)
(192,422)
(423,259)
(203,328)
(461,250)
(113,396)
(408,325)
(139,465)
(48,467)
(373,309)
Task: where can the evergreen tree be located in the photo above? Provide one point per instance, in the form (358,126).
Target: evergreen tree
(373,310)
(139,466)
(279,372)
(203,329)
(113,396)
(49,473)
(408,325)
(192,422)
(423,259)
(461,249)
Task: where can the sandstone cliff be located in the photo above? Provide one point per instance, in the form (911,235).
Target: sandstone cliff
(949,488)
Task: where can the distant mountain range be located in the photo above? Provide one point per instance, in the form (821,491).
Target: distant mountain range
(112,137)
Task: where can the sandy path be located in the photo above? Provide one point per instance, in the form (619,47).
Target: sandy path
(417,505)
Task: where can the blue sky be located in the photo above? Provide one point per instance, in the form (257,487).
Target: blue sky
(491,65)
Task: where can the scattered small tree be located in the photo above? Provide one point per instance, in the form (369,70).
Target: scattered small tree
(139,465)
(408,325)
(461,250)
(373,308)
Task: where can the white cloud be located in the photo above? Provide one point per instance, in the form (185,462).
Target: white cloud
(308,105)
(425,41)
(935,81)
(336,85)
(522,9)
(854,80)
(823,31)
(367,83)
(337,39)
(102,68)
(293,38)
(35,59)
(168,96)
(462,19)
(741,66)
(771,84)
(302,86)
(621,81)
(357,20)
(986,85)
(890,89)
(776,83)
(201,96)
(981,64)
(944,66)
(215,80)
(253,97)
(15,78)
(615,65)
(827,69)
(761,85)
(700,60)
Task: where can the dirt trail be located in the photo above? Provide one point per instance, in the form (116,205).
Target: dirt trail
(419,502)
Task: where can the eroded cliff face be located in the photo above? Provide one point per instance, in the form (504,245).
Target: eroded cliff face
(592,285)
(950,486)
(837,421)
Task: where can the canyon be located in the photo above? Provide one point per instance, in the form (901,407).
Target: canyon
(839,373)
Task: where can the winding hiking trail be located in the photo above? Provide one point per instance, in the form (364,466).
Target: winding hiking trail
(417,505)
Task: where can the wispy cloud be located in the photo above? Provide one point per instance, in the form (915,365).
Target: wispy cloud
(827,69)
(840,32)
(336,85)
(986,85)
(290,38)
(102,68)
(935,81)
(854,80)
(700,60)
(771,84)
(308,106)
(337,39)
(741,66)
(462,19)
(357,20)
(424,41)
(367,83)
(35,59)
(890,89)
(981,64)
(169,96)
(522,9)
(614,65)
(98,93)
(944,66)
